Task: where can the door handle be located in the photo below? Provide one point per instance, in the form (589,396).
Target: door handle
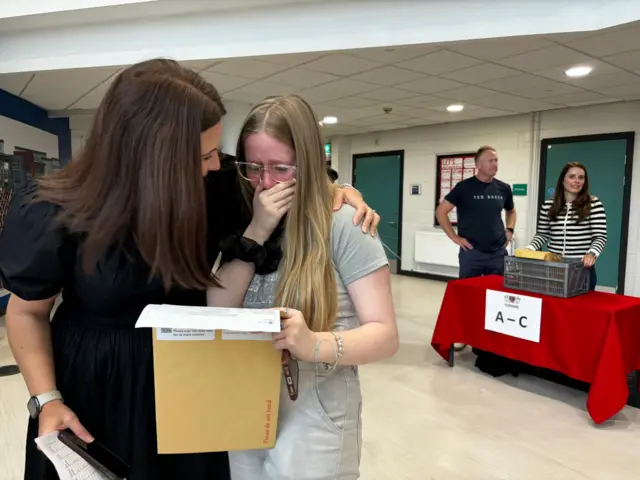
(392,223)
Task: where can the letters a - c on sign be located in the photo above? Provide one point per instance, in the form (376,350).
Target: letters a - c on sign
(514,315)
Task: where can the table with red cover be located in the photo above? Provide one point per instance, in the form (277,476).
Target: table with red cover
(593,338)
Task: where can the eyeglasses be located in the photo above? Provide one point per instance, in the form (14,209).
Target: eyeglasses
(278,173)
(291,374)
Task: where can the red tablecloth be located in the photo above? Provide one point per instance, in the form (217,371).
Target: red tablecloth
(594,338)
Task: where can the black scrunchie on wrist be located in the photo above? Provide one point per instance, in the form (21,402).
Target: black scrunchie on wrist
(266,258)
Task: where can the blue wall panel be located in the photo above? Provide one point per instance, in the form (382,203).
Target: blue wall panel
(26,112)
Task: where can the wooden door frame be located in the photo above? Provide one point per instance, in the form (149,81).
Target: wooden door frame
(626,195)
(399,153)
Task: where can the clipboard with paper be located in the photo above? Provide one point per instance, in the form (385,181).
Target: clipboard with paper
(217,377)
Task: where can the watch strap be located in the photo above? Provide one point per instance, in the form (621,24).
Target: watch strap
(47,397)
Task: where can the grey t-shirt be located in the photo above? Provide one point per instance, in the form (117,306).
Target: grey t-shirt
(355,255)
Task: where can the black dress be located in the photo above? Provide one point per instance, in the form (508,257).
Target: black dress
(104,367)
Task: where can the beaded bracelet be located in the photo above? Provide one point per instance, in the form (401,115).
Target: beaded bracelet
(339,353)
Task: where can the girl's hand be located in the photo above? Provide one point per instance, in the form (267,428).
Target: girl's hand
(269,206)
(295,336)
(589,260)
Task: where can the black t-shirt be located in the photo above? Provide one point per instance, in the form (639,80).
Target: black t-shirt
(479,206)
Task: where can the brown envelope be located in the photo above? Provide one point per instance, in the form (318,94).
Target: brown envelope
(216,394)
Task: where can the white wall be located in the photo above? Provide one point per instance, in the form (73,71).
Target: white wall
(516,139)
(20,134)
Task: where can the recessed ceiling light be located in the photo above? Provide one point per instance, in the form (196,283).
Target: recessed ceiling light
(455,108)
(581,71)
(330,120)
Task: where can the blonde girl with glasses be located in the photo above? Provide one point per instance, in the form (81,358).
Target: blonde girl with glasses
(333,283)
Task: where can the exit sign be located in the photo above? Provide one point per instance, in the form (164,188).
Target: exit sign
(520,189)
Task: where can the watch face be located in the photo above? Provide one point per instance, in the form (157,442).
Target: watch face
(34,407)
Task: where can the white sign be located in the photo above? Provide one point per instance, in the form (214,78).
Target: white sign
(184,334)
(514,315)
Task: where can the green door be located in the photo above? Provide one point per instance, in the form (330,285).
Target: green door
(605,164)
(379,178)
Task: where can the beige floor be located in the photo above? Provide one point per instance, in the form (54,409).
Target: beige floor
(424,420)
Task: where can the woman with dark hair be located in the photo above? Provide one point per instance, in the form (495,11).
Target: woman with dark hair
(129,223)
(573,222)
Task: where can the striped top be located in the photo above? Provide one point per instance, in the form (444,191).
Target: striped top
(566,236)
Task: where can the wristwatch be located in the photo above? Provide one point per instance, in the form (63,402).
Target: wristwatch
(35,404)
(509,229)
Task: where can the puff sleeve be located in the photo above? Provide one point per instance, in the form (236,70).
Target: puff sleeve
(34,253)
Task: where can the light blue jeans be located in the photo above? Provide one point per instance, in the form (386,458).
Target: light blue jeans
(319,435)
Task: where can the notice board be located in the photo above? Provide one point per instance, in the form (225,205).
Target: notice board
(450,170)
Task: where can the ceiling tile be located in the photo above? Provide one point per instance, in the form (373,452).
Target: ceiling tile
(421,113)
(247,68)
(389,55)
(256,92)
(430,85)
(340,88)
(466,94)
(547,58)
(578,98)
(542,93)
(597,82)
(439,62)
(599,68)
(628,60)
(293,59)
(388,75)
(386,94)
(15,82)
(503,101)
(57,90)
(91,100)
(618,41)
(299,77)
(518,82)
(568,37)
(495,48)
(413,122)
(530,86)
(480,73)
(359,113)
(199,65)
(624,92)
(424,101)
(341,64)
(351,102)
(386,127)
(483,112)
(381,119)
(225,83)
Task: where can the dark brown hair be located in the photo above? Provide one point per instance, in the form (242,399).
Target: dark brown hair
(483,149)
(582,202)
(139,175)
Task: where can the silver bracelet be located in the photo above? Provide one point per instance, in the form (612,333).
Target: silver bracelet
(339,353)
(346,185)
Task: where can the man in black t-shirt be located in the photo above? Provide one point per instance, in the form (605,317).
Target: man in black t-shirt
(479,202)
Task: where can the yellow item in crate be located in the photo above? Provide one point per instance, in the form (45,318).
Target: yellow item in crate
(536,255)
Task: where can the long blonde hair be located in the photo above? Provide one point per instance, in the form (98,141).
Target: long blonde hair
(307,278)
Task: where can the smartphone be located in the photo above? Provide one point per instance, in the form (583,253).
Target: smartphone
(97,455)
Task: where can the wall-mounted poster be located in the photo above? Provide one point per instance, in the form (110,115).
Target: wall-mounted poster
(451,169)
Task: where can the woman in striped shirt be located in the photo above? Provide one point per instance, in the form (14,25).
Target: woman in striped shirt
(573,222)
